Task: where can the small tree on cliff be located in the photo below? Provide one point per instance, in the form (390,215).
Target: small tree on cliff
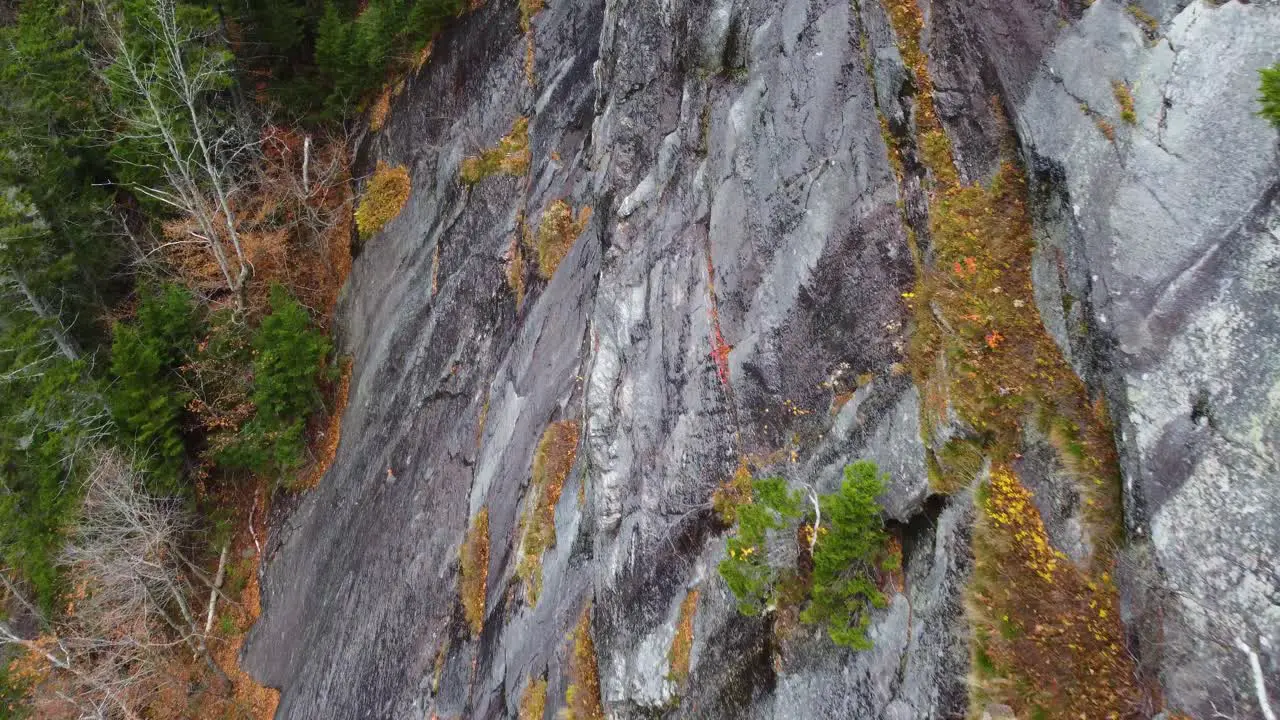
(846,539)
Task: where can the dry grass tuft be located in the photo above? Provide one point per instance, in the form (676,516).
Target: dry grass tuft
(552,462)
(384,198)
(475,571)
(678,656)
(533,701)
(509,157)
(556,235)
(582,698)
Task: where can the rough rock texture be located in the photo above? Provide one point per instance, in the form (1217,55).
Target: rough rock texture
(744,201)
(1174,244)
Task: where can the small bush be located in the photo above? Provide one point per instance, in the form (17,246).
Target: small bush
(533,701)
(582,697)
(384,198)
(552,462)
(1269,94)
(556,235)
(475,571)
(844,558)
(510,157)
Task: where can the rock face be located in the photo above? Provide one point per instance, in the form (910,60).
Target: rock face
(736,296)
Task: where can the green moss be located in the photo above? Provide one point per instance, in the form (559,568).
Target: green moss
(1269,94)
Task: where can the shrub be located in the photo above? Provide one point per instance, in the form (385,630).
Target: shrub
(556,234)
(552,462)
(851,539)
(1270,94)
(732,494)
(475,571)
(746,570)
(582,697)
(509,157)
(384,198)
(146,401)
(844,558)
(288,358)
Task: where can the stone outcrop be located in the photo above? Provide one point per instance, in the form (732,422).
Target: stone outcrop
(736,296)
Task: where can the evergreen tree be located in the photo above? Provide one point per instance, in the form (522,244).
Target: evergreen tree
(147,399)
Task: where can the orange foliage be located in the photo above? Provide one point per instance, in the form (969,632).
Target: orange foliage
(291,233)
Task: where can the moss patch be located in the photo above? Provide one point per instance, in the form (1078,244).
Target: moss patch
(678,657)
(551,465)
(556,235)
(475,571)
(384,198)
(533,701)
(582,697)
(509,157)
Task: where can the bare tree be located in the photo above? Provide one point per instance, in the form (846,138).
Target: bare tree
(131,600)
(168,72)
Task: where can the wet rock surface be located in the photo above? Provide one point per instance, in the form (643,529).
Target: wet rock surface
(736,295)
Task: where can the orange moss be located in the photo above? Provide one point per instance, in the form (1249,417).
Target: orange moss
(384,197)
(510,156)
(582,698)
(474,582)
(556,235)
(552,462)
(423,55)
(678,656)
(529,59)
(528,9)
